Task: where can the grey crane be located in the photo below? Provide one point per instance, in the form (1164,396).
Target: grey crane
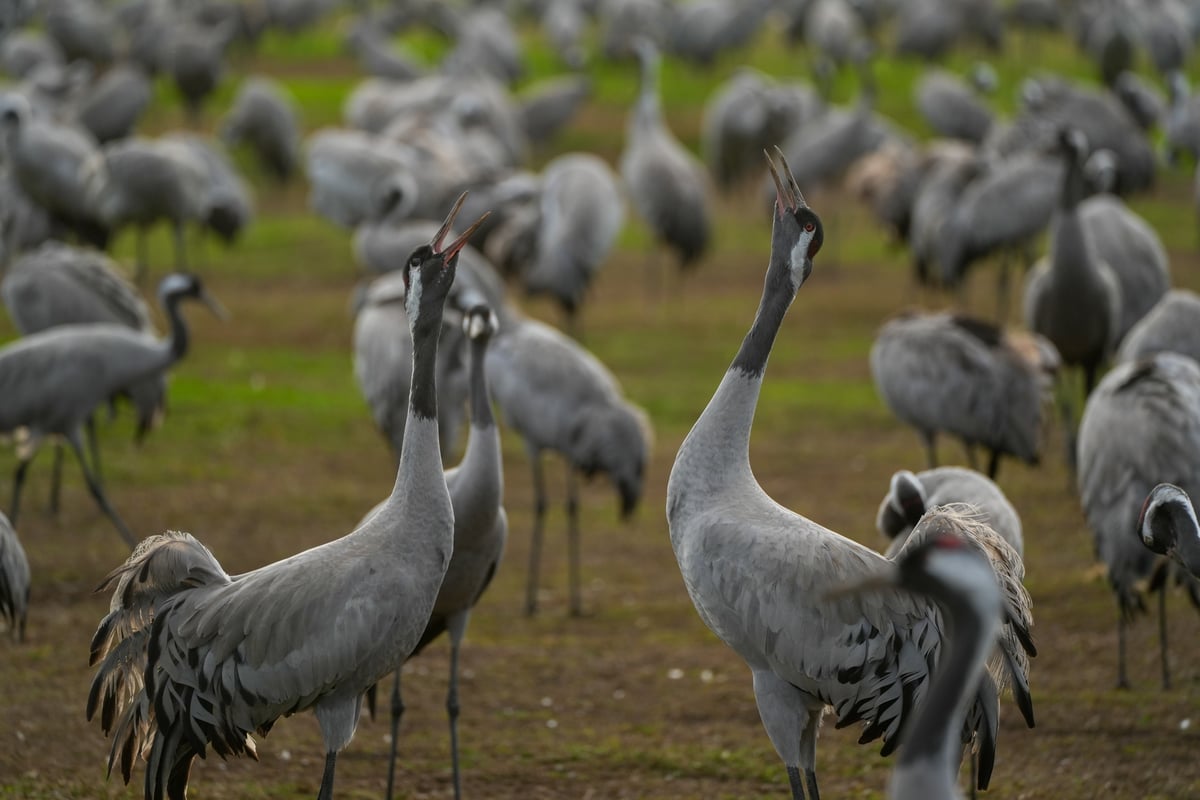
(701,31)
(485,43)
(954,109)
(54,164)
(228,655)
(959,579)
(225,198)
(910,495)
(476,488)
(834,33)
(57,284)
(1172,324)
(23,51)
(354,177)
(52,381)
(146,181)
(557,396)
(1073,297)
(112,105)
(564,24)
(623,21)
(194,58)
(758,573)
(667,185)
(1144,101)
(548,105)
(82,30)
(1181,131)
(1141,427)
(1167,526)
(265,117)
(949,372)
(14,581)
(581,213)
(376,54)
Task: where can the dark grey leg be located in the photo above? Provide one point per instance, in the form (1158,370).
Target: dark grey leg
(18,482)
(139,274)
(810,780)
(56,478)
(1122,678)
(573,572)
(930,439)
(452,714)
(180,248)
(797,783)
(397,713)
(94,447)
(535,544)
(97,491)
(326,792)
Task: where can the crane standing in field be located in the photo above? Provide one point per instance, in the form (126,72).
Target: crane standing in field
(1141,427)
(51,382)
(1168,526)
(667,185)
(226,656)
(959,578)
(758,573)
(57,284)
(476,487)
(949,372)
(559,397)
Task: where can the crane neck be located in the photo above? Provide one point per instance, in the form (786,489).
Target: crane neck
(179,338)
(1074,186)
(419,474)
(481,404)
(779,290)
(934,737)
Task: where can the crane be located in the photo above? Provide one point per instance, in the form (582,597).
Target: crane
(57,284)
(227,655)
(265,118)
(758,573)
(910,495)
(1173,323)
(557,396)
(949,372)
(476,487)
(1168,526)
(52,381)
(1141,427)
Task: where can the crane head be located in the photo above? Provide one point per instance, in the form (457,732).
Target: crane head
(180,285)
(429,272)
(797,233)
(1159,518)
(480,323)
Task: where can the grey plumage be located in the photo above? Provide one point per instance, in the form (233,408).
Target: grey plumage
(228,655)
(559,397)
(1141,427)
(82,30)
(667,185)
(112,105)
(1073,297)
(14,581)
(265,118)
(1173,324)
(22,52)
(547,106)
(702,30)
(946,372)
(1168,526)
(951,107)
(225,199)
(353,176)
(580,214)
(377,56)
(910,495)
(52,381)
(476,486)
(759,574)
(194,59)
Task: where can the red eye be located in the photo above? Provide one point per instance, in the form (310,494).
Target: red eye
(808,226)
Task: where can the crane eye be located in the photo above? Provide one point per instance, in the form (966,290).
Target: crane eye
(808,226)
(415,261)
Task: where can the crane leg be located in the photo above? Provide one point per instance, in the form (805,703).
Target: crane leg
(56,478)
(810,781)
(18,482)
(397,713)
(139,274)
(972,461)
(457,627)
(326,792)
(576,601)
(97,490)
(180,249)
(930,448)
(796,781)
(535,544)
(994,464)
(94,448)
(1162,629)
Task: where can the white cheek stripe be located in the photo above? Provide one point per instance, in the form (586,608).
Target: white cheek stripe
(412,301)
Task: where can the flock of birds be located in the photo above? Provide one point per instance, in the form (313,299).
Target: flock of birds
(431,175)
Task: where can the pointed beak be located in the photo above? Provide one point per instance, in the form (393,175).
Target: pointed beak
(887,577)
(451,250)
(214,305)
(787,191)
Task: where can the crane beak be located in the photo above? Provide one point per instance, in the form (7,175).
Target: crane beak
(887,577)
(787,192)
(451,250)
(214,305)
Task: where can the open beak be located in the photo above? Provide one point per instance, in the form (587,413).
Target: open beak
(451,250)
(887,577)
(214,305)
(787,191)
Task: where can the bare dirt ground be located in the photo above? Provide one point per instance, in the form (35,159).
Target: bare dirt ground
(637,699)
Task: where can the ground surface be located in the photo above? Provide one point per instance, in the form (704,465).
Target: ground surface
(268,449)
